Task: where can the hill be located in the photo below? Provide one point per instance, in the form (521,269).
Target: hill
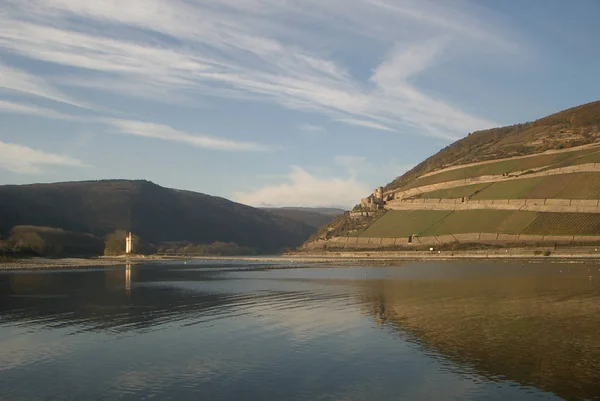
(536,183)
(565,129)
(313,217)
(155,214)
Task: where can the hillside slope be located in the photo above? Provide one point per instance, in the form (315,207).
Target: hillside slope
(566,129)
(313,217)
(537,182)
(154,213)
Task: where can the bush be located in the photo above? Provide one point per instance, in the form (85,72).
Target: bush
(50,241)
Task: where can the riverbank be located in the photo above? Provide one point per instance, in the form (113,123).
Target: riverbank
(66,263)
(301,259)
(383,257)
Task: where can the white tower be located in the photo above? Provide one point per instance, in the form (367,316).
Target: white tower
(129,244)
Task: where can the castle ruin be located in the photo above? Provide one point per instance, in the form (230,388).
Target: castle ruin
(375,201)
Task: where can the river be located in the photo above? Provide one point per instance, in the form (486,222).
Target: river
(242,331)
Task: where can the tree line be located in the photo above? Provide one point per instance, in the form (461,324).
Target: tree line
(25,241)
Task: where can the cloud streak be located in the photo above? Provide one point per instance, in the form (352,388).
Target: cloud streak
(17,80)
(24,160)
(138,128)
(166,133)
(32,110)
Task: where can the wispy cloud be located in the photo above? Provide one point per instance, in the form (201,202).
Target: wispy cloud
(17,80)
(166,133)
(29,109)
(137,128)
(301,188)
(317,129)
(365,123)
(24,160)
(259,50)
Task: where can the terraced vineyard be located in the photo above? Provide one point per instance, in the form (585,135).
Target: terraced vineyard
(482,221)
(564,186)
(591,157)
(517,189)
(453,193)
(578,157)
(565,224)
(404,223)
(434,223)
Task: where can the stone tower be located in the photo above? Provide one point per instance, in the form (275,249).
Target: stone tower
(129,244)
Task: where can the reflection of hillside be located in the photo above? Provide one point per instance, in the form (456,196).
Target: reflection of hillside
(536,331)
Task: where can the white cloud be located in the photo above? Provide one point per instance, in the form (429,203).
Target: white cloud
(260,50)
(403,63)
(302,188)
(24,160)
(166,133)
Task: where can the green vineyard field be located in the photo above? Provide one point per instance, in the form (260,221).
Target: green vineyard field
(565,224)
(590,155)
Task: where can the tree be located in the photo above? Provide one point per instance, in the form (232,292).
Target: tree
(28,241)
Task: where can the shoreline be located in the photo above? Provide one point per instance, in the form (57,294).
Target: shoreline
(39,263)
(382,258)
(385,259)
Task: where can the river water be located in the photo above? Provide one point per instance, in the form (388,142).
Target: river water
(239,331)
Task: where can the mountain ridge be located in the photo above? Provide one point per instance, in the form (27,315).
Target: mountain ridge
(155,213)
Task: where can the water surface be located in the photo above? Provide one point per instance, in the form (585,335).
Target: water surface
(238,331)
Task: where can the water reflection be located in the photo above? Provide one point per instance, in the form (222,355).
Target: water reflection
(128,279)
(537,329)
(467,331)
(142,297)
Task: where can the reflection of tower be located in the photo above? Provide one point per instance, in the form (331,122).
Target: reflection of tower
(128,278)
(380,313)
(129,244)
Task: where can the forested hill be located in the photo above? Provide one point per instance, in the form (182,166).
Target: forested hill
(153,213)
(314,217)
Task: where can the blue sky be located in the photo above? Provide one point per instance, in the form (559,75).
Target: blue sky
(276,102)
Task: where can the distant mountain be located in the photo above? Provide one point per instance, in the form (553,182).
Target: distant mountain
(313,217)
(153,213)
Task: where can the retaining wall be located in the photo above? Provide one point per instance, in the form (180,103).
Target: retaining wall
(483,238)
(532,205)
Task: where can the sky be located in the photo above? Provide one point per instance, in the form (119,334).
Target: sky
(276,102)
